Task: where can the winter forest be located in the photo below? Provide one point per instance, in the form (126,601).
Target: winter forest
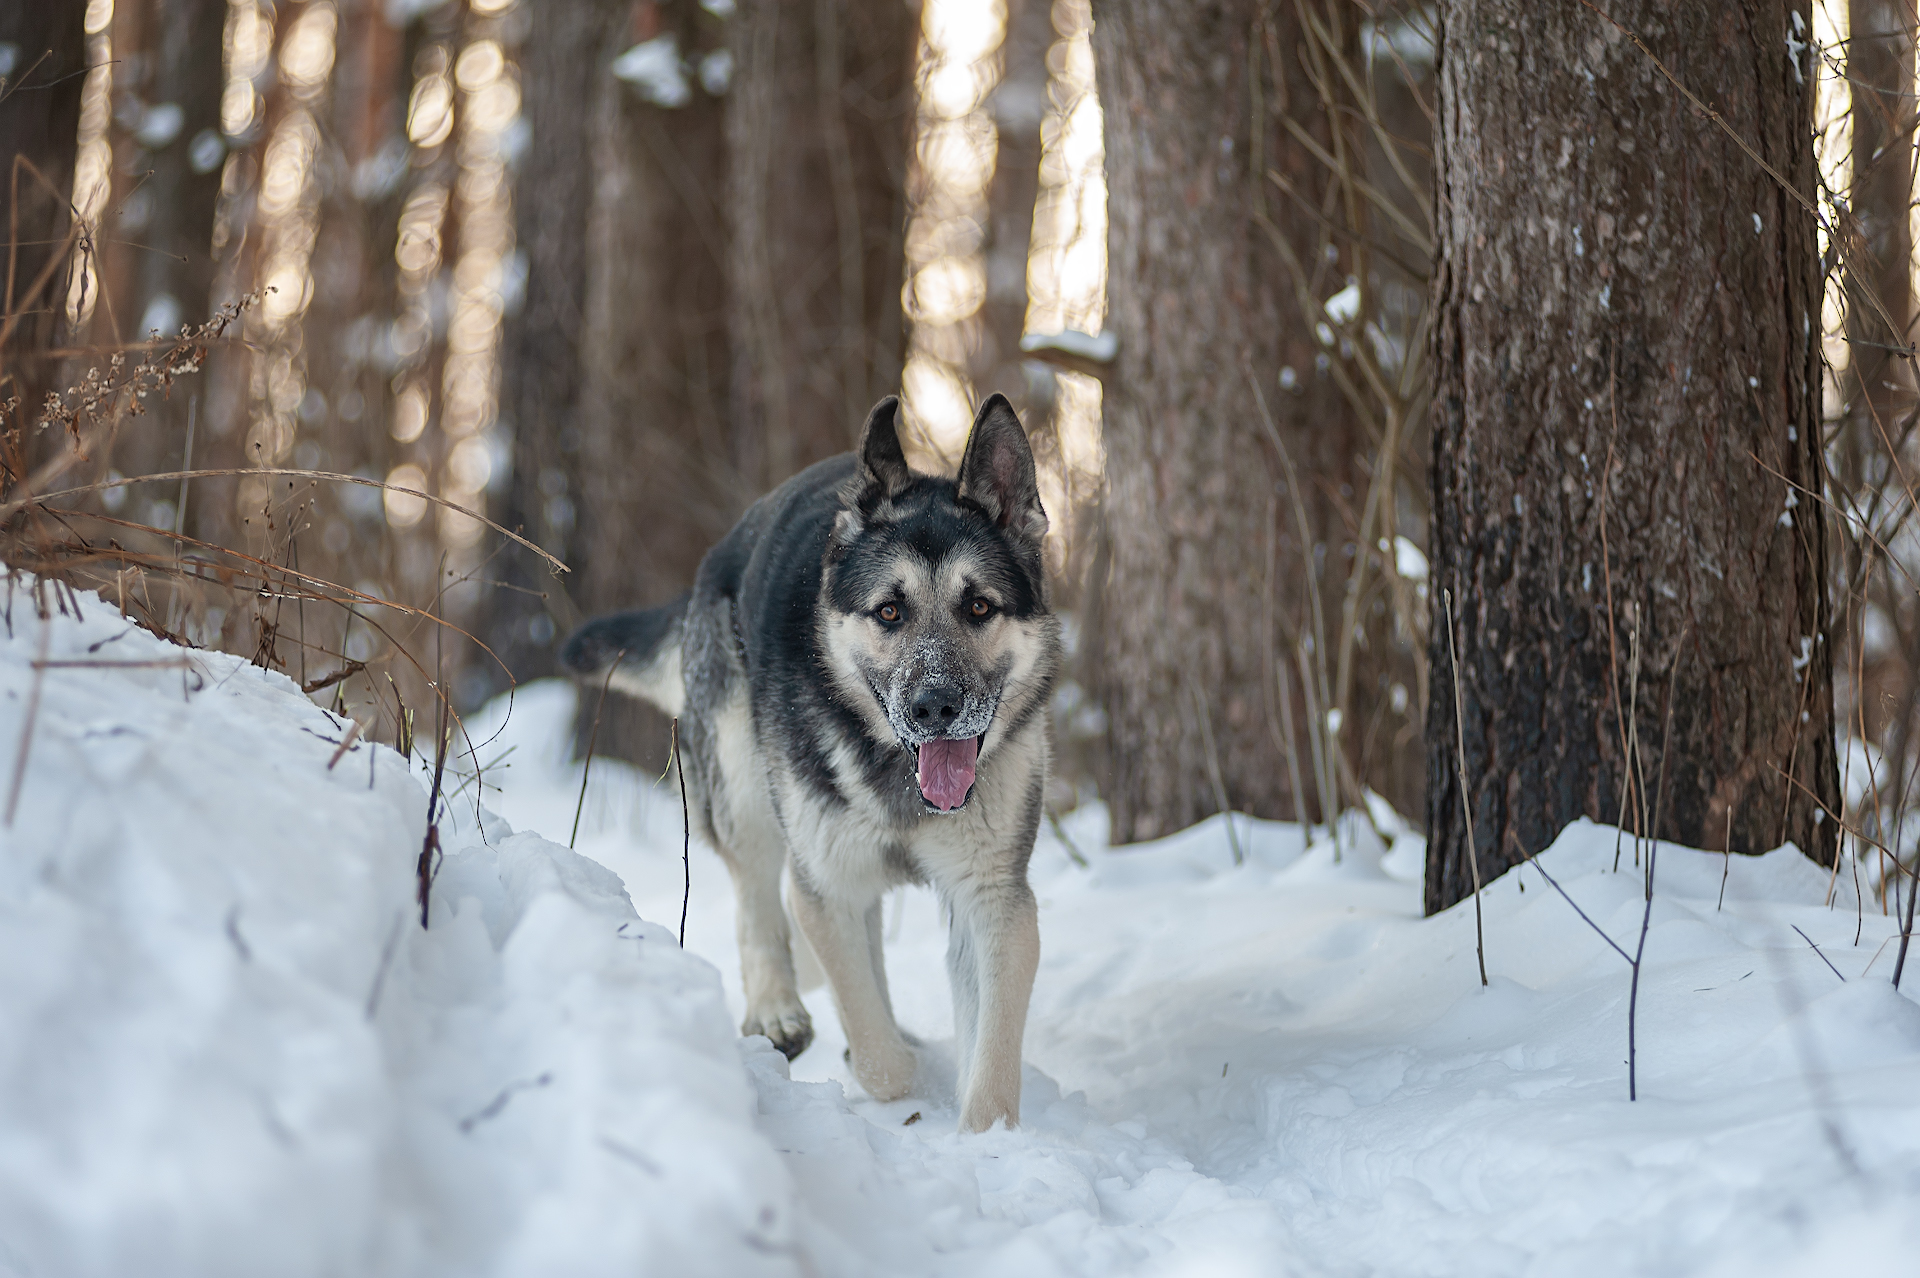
(1472,450)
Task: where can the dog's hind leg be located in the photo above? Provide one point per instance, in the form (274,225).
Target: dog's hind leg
(845,938)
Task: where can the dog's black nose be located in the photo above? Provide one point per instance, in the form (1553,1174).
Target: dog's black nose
(936,705)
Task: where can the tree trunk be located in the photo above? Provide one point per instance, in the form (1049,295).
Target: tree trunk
(1627,381)
(655,358)
(165,195)
(563,65)
(186,166)
(817,131)
(1207,597)
(1018,104)
(1880,53)
(39,124)
(347,426)
(1876,384)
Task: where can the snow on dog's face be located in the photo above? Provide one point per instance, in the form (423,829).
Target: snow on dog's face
(936,623)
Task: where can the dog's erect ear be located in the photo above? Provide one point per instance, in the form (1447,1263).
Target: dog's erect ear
(881,475)
(883,466)
(997,471)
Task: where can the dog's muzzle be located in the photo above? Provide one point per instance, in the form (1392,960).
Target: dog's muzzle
(943,725)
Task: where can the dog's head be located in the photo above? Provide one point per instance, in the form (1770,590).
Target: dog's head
(935,622)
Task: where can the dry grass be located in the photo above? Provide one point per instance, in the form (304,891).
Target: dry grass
(57,522)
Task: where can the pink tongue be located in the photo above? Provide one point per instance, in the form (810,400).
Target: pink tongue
(946,771)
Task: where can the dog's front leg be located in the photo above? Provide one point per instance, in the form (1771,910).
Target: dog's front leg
(839,934)
(766,956)
(992,967)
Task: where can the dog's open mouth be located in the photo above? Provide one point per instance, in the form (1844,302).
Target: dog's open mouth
(947,770)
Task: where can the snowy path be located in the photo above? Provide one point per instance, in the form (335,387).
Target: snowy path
(1282,1068)
(225,1049)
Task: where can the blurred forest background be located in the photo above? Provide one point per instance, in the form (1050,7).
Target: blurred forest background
(598,273)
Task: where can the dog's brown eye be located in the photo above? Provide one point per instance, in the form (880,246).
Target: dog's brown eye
(889,613)
(980,608)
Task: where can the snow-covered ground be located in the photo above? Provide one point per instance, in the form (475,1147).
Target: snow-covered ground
(227,1047)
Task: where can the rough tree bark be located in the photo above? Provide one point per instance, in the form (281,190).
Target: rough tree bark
(655,358)
(1207,590)
(1880,53)
(1627,380)
(817,132)
(39,123)
(1877,384)
(655,350)
(563,65)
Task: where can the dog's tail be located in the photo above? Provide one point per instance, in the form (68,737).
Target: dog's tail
(641,647)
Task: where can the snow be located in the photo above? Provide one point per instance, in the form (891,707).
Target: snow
(653,68)
(1344,305)
(1409,561)
(1101,348)
(227,1047)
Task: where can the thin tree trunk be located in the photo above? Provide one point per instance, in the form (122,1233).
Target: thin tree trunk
(1019,104)
(354,276)
(1208,594)
(186,166)
(817,131)
(1875,382)
(1880,53)
(1627,381)
(39,125)
(563,67)
(166,196)
(655,357)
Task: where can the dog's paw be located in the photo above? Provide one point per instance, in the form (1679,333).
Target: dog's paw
(885,1069)
(985,1108)
(790,1028)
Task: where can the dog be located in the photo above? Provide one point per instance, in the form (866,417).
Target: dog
(862,672)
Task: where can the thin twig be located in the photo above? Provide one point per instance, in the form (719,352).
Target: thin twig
(1653,855)
(1466,802)
(1633,989)
(33,713)
(432,842)
(1213,769)
(1906,929)
(386,959)
(1313,678)
(1726,861)
(1535,862)
(592,738)
(1060,833)
(1816,950)
(686,835)
(346,743)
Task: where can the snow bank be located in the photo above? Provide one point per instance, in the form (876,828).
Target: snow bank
(227,1047)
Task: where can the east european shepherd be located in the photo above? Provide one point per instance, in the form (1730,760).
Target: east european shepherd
(862,672)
